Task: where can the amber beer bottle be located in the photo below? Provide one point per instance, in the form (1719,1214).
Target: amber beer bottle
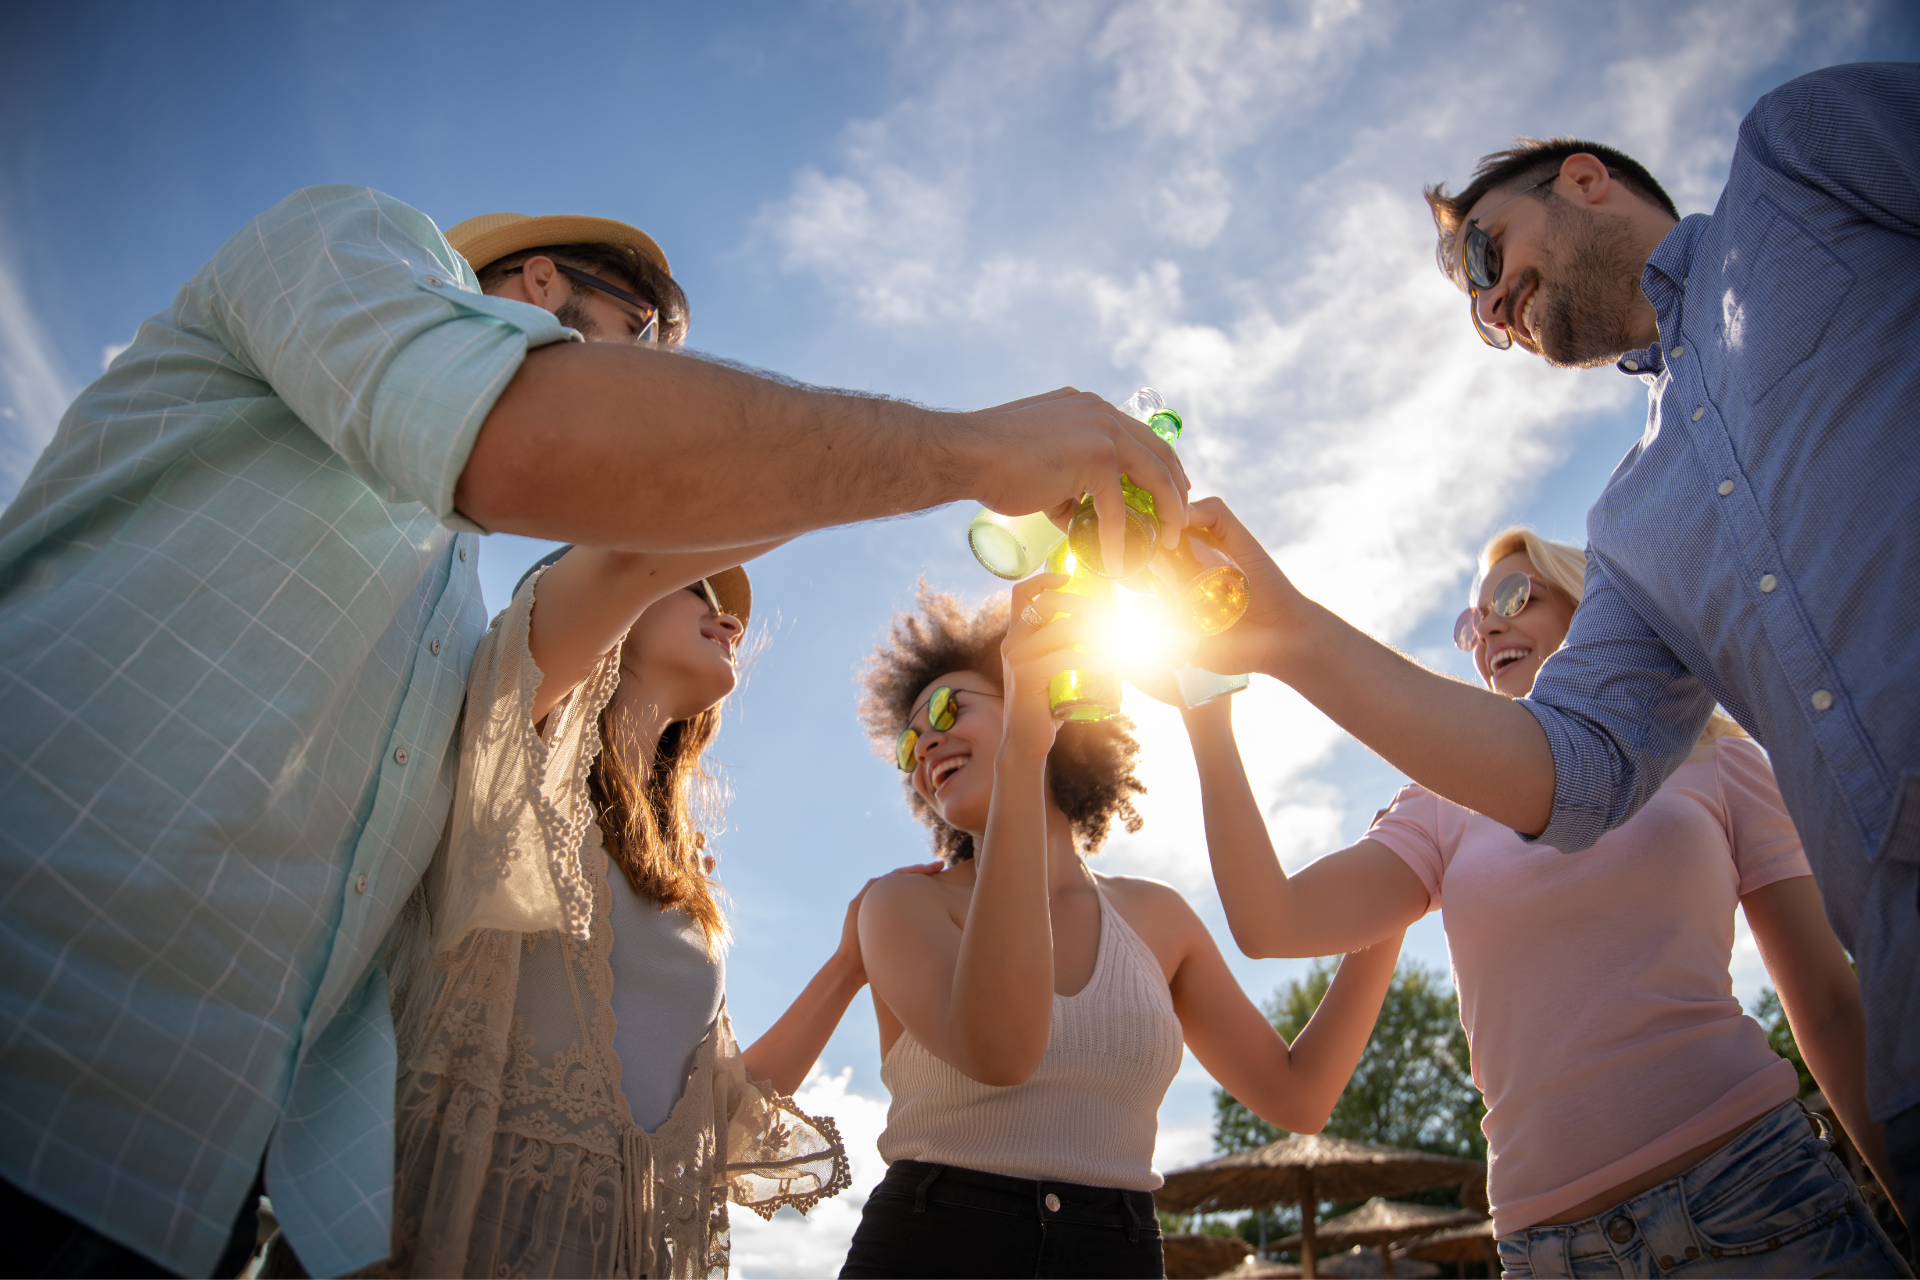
(1076,694)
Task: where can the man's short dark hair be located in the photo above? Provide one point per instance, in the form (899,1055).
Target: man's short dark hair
(620,263)
(1527,161)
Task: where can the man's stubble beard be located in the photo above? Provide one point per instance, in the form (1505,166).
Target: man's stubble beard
(573,314)
(1593,273)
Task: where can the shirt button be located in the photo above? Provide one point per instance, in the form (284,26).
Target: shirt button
(399,755)
(360,885)
(1632,366)
(1821,700)
(434,648)
(1676,353)
(463,550)
(1699,412)
(1053,1203)
(434,281)
(1768,582)
(1726,487)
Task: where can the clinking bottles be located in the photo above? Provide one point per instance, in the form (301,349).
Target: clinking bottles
(1081,695)
(1012,547)
(1142,533)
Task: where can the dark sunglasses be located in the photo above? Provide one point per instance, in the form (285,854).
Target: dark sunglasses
(1509,598)
(942,711)
(1480,260)
(649,314)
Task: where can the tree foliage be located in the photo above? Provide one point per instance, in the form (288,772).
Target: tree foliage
(1413,1087)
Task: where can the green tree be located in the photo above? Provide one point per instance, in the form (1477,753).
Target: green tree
(1413,1087)
(1772,1017)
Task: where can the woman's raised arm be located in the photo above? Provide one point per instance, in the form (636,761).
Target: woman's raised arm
(1355,898)
(589,599)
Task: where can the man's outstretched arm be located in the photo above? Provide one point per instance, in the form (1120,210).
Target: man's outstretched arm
(1607,750)
(637,448)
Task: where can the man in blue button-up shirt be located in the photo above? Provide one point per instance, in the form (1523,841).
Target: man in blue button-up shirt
(1758,547)
(237,605)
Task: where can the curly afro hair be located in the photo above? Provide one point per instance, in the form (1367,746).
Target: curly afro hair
(1089,770)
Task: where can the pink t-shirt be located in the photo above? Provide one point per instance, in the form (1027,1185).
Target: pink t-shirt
(1594,987)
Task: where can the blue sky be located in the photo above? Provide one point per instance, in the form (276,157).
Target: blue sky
(960,204)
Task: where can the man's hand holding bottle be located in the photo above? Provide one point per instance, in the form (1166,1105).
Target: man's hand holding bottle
(1044,452)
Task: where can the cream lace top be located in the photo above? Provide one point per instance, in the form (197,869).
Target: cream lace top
(515,1150)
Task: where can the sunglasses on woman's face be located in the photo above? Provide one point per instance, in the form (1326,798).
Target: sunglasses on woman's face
(1509,598)
(942,711)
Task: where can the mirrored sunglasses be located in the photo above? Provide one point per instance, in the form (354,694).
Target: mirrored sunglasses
(1509,598)
(942,710)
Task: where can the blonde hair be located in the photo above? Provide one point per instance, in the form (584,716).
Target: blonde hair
(1565,566)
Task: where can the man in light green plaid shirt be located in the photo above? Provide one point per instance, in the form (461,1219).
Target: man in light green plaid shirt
(237,604)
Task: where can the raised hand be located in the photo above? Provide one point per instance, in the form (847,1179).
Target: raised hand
(1251,643)
(1045,451)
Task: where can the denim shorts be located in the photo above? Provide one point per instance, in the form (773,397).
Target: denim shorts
(938,1220)
(1775,1201)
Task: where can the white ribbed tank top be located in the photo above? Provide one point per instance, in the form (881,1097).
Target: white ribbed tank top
(1088,1115)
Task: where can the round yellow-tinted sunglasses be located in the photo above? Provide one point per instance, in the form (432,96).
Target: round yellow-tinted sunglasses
(942,711)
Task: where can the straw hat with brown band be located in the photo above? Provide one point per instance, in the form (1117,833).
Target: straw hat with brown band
(492,236)
(732,590)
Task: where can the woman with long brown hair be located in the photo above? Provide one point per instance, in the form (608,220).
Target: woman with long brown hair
(571,1097)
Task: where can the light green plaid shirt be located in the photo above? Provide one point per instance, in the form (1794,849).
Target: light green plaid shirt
(236,613)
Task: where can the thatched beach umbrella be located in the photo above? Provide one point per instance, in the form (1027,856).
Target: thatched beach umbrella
(1303,1169)
(1380,1222)
(1462,1244)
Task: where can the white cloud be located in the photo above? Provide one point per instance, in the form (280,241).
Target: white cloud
(31,378)
(111,352)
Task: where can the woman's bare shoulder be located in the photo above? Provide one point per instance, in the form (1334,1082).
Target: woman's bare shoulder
(910,896)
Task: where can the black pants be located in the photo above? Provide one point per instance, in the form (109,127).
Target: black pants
(42,1241)
(936,1220)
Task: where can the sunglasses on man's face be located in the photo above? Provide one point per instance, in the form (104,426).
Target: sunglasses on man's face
(649,314)
(943,708)
(1509,598)
(1480,262)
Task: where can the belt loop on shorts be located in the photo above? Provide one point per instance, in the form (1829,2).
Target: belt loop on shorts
(920,1192)
(1822,1128)
(1133,1219)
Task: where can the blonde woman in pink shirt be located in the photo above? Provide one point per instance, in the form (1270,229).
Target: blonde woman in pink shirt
(1637,1122)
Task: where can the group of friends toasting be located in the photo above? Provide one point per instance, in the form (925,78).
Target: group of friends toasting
(317,884)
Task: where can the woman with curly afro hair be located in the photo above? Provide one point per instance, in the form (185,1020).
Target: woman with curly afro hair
(1032,1012)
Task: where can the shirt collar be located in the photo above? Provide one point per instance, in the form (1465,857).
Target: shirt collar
(1664,281)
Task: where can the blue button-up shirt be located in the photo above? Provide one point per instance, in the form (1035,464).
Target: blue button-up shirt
(1760,545)
(236,613)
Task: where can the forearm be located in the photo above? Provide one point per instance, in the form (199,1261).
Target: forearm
(1834,1049)
(790,1047)
(616,446)
(1474,747)
(1002,1002)
(1323,1056)
(1252,884)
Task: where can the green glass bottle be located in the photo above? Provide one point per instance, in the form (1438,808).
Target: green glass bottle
(1142,533)
(1012,547)
(1076,694)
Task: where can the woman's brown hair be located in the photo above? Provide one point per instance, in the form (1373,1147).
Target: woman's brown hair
(648,823)
(1089,770)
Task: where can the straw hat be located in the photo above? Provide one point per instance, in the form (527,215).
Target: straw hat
(492,236)
(732,586)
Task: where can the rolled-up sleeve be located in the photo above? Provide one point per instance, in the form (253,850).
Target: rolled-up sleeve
(1620,713)
(358,315)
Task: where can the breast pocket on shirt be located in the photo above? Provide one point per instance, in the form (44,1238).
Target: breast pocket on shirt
(1779,301)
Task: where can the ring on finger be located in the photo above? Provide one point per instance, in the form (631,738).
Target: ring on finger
(1031,616)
